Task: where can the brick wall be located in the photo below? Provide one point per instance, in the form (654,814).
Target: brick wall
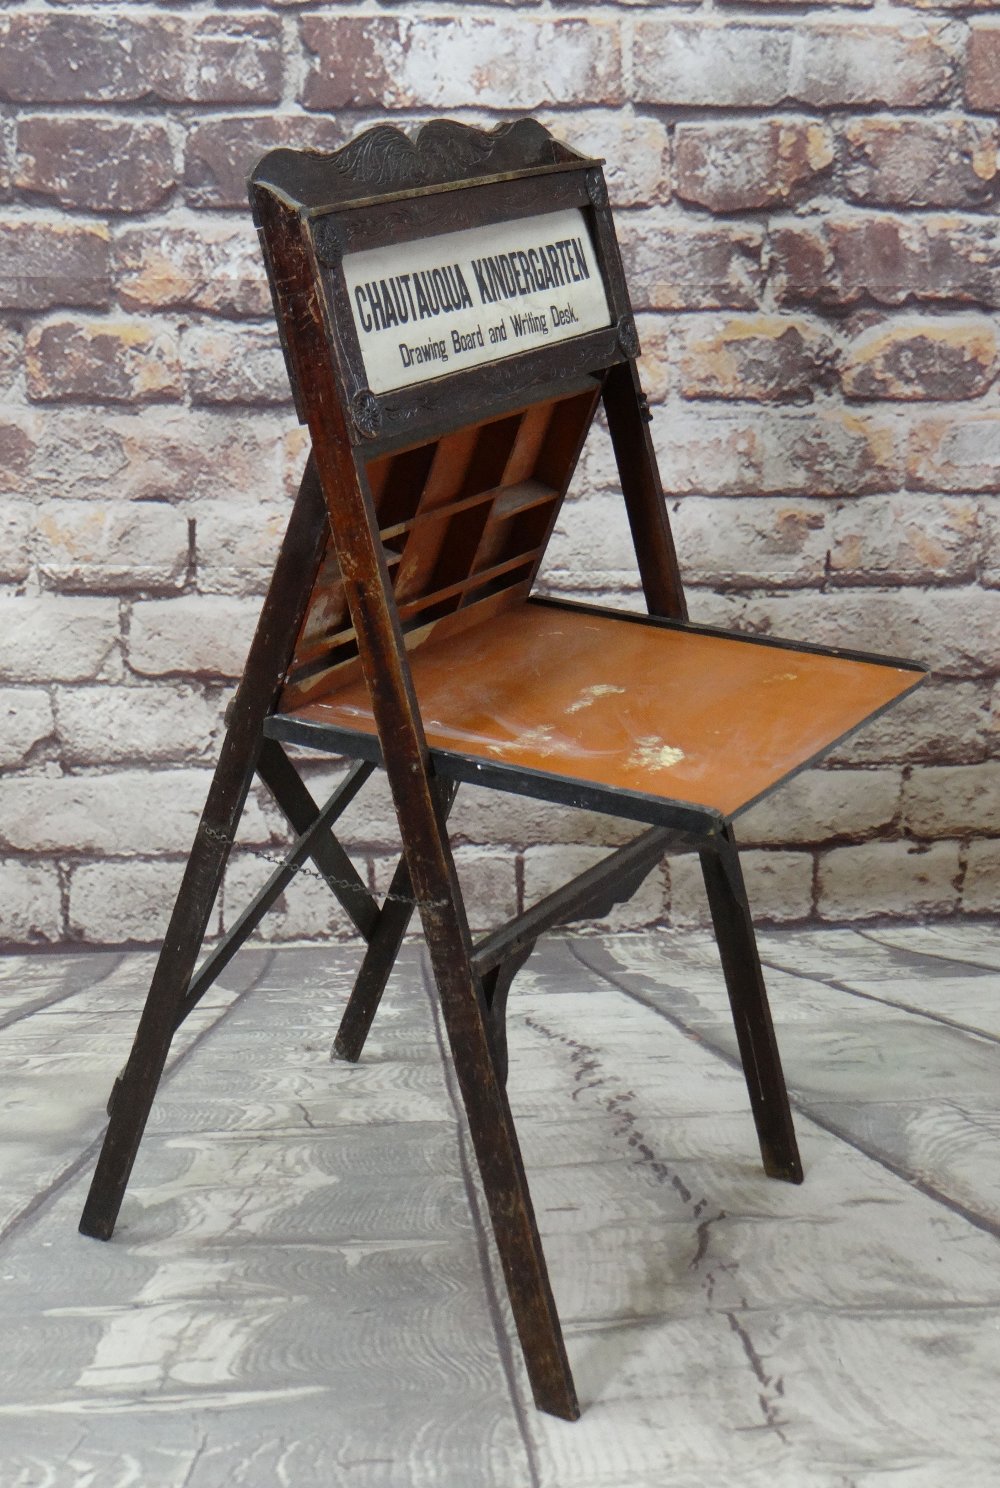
(807,198)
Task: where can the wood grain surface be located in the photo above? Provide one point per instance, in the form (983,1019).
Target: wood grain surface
(707,719)
(299,1291)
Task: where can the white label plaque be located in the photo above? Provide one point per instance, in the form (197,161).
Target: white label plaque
(444,304)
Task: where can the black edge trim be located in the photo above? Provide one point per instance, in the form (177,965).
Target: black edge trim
(517,779)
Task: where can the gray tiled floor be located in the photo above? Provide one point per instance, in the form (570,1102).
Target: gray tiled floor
(298,1292)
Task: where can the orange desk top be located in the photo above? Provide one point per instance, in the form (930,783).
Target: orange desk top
(703,719)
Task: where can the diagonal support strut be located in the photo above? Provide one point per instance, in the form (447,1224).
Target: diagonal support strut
(613,879)
(304,847)
(292,795)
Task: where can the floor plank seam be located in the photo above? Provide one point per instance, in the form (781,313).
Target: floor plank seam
(645,1001)
(38,1202)
(22,1219)
(887,945)
(841,1335)
(904,1007)
(45,1004)
(617,1107)
(922,1186)
(955,1206)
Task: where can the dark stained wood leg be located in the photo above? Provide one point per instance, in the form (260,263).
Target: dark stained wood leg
(496,986)
(498,1156)
(384,664)
(249,918)
(751,1014)
(292,795)
(135,1088)
(380,957)
(466,1018)
(383,948)
(628,425)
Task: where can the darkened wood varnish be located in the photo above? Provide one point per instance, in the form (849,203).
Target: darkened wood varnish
(399,629)
(667,711)
(462,519)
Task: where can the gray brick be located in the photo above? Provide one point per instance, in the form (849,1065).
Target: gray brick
(63,640)
(201,635)
(888,878)
(130,813)
(822,805)
(779,887)
(30,903)
(115,903)
(25,719)
(86,545)
(953,800)
(123,725)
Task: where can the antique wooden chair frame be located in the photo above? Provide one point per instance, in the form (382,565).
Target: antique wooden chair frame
(335,617)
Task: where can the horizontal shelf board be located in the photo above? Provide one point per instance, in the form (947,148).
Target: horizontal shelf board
(522,497)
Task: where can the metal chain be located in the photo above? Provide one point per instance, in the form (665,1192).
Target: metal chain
(327,878)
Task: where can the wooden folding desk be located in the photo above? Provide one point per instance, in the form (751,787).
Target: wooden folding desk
(453,313)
